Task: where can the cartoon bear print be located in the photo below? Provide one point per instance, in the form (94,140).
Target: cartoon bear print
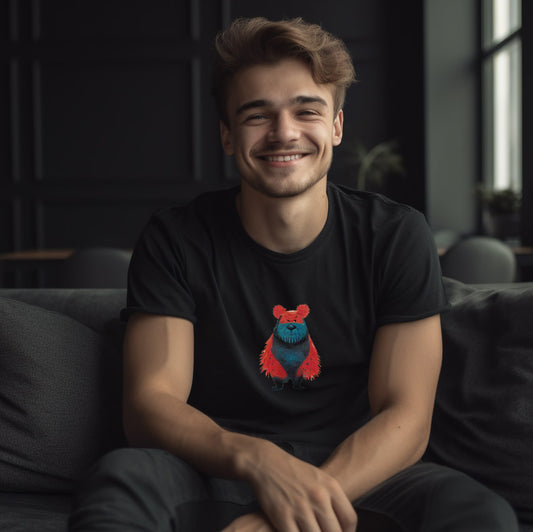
(289,353)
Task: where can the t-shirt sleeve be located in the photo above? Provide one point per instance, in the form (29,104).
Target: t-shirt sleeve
(157,277)
(409,279)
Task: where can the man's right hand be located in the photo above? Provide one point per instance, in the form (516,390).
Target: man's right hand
(297,496)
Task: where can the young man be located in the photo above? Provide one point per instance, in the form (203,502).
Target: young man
(283,344)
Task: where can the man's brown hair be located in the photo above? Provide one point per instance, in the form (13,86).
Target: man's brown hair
(254,41)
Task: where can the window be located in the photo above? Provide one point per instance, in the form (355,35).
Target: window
(502,99)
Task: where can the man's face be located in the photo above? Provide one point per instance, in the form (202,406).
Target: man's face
(282,128)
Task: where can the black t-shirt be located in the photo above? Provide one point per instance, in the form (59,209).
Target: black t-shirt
(374,263)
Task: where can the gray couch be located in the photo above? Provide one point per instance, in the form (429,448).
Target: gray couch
(60,393)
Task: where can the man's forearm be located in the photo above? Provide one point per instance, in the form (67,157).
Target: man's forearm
(166,422)
(391,441)
(403,376)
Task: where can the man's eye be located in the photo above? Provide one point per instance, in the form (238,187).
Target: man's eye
(256,117)
(307,112)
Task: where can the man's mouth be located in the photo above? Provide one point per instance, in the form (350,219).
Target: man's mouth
(283,158)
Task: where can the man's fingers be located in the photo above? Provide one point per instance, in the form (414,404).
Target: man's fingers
(299,497)
(329,510)
(331,519)
(345,513)
(334,510)
(328,522)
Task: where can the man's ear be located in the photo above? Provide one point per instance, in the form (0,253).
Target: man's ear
(337,128)
(225,137)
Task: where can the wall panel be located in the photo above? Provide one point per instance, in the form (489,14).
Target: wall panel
(114,121)
(4,22)
(4,95)
(5,123)
(102,222)
(112,20)
(6,226)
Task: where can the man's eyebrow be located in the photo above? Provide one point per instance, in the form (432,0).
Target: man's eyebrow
(309,99)
(266,103)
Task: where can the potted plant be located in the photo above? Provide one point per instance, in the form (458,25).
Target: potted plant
(501,212)
(374,164)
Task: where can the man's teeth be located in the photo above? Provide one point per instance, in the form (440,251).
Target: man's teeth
(283,158)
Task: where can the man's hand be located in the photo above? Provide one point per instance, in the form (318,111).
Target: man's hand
(297,496)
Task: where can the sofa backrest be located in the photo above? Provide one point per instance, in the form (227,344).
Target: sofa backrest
(60,396)
(483,418)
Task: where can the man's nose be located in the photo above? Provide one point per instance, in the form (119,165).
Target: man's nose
(284,129)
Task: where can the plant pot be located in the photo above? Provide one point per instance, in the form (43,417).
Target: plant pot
(505,226)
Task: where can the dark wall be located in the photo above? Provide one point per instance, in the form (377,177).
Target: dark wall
(106,113)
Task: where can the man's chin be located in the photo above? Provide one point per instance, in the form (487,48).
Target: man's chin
(282,188)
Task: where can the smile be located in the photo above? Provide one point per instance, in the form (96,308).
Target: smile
(283,158)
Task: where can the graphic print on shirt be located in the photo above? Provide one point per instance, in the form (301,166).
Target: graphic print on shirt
(289,353)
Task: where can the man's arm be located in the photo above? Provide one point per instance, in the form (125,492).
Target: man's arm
(404,372)
(158,369)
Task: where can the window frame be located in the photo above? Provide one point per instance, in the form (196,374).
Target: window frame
(489,49)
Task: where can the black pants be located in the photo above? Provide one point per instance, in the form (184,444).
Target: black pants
(150,490)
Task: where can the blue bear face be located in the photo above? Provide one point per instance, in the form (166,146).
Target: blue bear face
(291,332)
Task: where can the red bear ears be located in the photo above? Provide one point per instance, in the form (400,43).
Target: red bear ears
(301,311)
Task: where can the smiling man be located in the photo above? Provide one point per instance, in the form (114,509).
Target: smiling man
(283,142)
(283,343)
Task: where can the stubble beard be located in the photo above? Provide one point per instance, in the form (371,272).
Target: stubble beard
(281,186)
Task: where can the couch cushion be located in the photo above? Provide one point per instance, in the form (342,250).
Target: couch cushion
(483,421)
(52,401)
(30,512)
(96,308)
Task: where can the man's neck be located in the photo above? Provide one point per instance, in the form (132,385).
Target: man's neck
(283,225)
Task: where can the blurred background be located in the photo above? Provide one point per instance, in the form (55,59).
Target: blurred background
(106,115)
